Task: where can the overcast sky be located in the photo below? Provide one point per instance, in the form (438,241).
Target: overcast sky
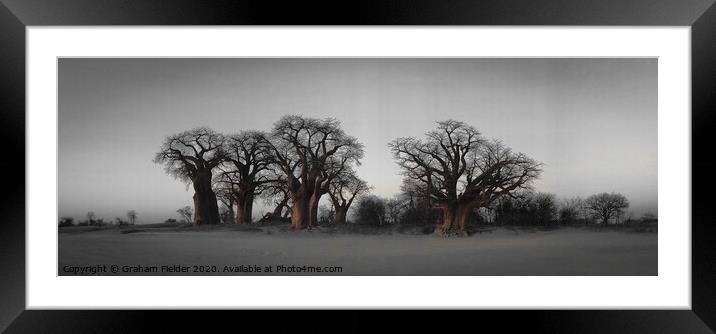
(592,122)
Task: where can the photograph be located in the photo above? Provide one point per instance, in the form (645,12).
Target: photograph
(374,166)
(239,159)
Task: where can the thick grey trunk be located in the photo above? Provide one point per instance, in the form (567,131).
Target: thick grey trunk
(206,210)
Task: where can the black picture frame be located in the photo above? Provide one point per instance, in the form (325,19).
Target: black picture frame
(16,15)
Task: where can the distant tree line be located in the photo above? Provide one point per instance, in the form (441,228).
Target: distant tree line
(523,209)
(92,220)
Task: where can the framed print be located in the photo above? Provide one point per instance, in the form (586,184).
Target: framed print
(469,158)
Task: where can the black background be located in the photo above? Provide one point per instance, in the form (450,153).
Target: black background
(15,15)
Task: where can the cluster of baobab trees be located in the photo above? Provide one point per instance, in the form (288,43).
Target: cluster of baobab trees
(302,159)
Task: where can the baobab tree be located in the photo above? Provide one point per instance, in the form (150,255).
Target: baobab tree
(248,158)
(462,171)
(342,191)
(192,156)
(336,166)
(606,206)
(309,152)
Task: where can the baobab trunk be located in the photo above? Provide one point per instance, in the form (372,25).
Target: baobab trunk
(240,199)
(313,209)
(456,217)
(449,215)
(248,209)
(244,207)
(244,212)
(206,210)
(299,212)
(340,217)
(239,218)
(463,215)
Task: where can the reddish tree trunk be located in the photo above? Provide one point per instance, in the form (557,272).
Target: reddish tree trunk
(456,217)
(240,200)
(449,215)
(244,211)
(340,218)
(299,212)
(463,215)
(244,207)
(206,210)
(300,200)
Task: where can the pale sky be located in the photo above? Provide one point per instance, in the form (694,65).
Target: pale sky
(592,122)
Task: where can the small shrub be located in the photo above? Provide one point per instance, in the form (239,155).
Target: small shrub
(66,222)
(370,210)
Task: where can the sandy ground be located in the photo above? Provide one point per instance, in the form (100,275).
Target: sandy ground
(564,251)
